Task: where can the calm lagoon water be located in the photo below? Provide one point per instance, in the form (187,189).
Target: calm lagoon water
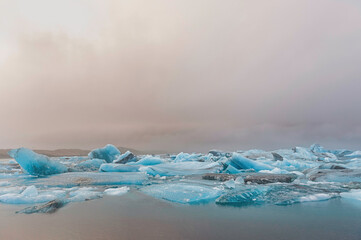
(137,216)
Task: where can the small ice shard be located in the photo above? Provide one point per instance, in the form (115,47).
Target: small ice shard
(239,180)
(115,167)
(49,207)
(90,165)
(230,184)
(240,162)
(148,161)
(109,153)
(36,164)
(182,193)
(125,158)
(181,168)
(354,194)
(116,191)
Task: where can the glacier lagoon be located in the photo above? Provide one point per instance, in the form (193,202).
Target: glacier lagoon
(311,193)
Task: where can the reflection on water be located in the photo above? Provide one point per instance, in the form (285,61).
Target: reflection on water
(136,216)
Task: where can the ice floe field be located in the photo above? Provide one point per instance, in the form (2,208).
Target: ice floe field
(192,195)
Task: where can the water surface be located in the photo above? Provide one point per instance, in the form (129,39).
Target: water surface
(137,216)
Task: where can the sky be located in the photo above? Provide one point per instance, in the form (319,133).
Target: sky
(181,75)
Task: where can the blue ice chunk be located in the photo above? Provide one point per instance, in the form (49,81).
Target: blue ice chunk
(148,161)
(109,153)
(182,192)
(181,168)
(231,170)
(240,162)
(114,167)
(36,164)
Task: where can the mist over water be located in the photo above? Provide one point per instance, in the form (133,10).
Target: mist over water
(180,75)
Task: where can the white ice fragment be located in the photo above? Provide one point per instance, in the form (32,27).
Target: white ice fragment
(116,191)
(316,197)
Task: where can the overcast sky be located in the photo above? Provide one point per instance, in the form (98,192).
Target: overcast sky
(181,75)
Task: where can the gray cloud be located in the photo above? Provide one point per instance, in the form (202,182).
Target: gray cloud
(180,75)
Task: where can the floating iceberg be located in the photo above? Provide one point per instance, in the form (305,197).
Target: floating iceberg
(182,193)
(109,153)
(36,164)
(30,196)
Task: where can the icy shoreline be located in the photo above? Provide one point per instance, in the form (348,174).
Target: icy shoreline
(280,177)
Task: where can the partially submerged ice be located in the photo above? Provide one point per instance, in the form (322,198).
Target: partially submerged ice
(253,177)
(183,193)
